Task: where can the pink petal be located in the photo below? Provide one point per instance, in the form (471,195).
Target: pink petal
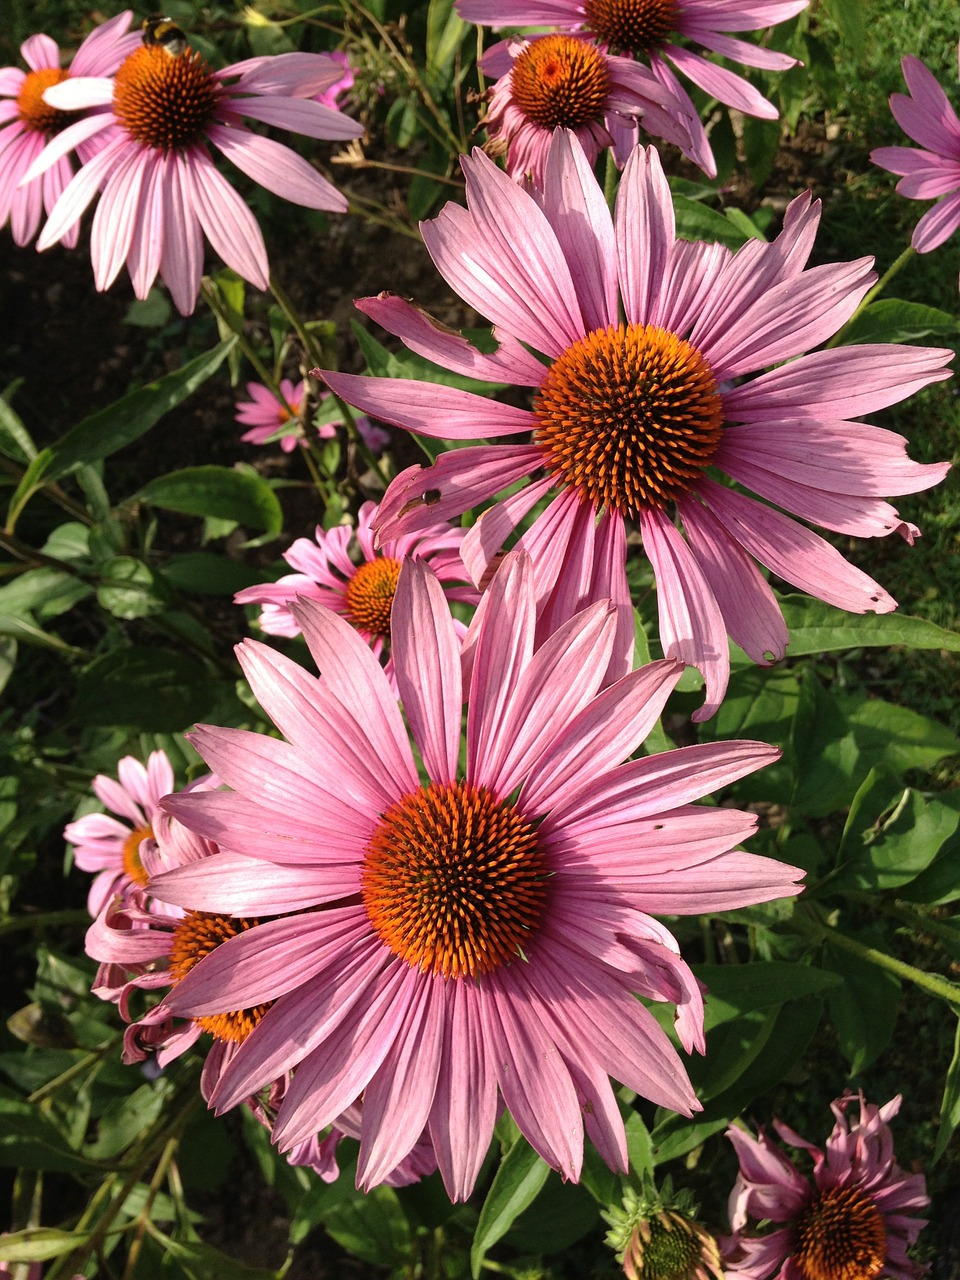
(278,169)
(226,220)
(181,262)
(299,115)
(234,885)
(719,83)
(115,221)
(429,407)
(937,224)
(84,186)
(645,233)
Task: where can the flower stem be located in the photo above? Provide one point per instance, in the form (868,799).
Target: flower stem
(235,324)
(932,983)
(878,288)
(311,347)
(45,920)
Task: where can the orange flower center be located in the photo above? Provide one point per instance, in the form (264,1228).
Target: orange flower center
(840,1235)
(369,595)
(131,854)
(162,101)
(34,113)
(561,81)
(629,416)
(632,26)
(454,882)
(196,936)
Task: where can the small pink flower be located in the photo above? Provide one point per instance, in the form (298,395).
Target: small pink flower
(330,95)
(856,1215)
(362,593)
(453,935)
(160,192)
(658,33)
(27,122)
(109,845)
(265,416)
(570,82)
(932,173)
(668,368)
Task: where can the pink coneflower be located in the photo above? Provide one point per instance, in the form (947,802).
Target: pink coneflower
(656,1236)
(27,123)
(927,118)
(109,845)
(483,931)
(643,394)
(855,1217)
(360,592)
(570,82)
(266,416)
(160,191)
(648,31)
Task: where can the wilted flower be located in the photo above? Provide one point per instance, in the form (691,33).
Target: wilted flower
(27,122)
(645,395)
(934,172)
(656,1236)
(160,191)
(854,1218)
(653,31)
(458,935)
(360,592)
(109,845)
(570,82)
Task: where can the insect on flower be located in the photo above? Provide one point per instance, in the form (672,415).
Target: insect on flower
(165,33)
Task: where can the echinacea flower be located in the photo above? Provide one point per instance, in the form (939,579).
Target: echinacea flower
(660,32)
(483,931)
(932,173)
(265,415)
(656,1236)
(570,82)
(855,1216)
(27,122)
(160,191)
(651,386)
(360,592)
(109,845)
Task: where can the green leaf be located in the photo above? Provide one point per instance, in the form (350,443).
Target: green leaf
(950,1103)
(8,659)
(44,592)
(39,1244)
(15,439)
(129,588)
(893,320)
(209,575)
(516,1185)
(697,221)
(153,690)
(896,844)
(850,18)
(864,1008)
(371,1227)
(126,1118)
(445,29)
(26,630)
(128,419)
(816,627)
(734,989)
(221,492)
(560,1216)
(201,1261)
(30,1140)
(151,312)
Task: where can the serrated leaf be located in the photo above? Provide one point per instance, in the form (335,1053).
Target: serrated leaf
(220,492)
(517,1183)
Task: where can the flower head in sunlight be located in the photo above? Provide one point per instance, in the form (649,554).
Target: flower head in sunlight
(341,568)
(110,846)
(661,35)
(650,395)
(570,82)
(933,172)
(27,122)
(160,192)
(449,938)
(855,1216)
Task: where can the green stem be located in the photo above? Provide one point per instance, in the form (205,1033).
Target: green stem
(878,288)
(235,324)
(309,343)
(77,1069)
(53,492)
(929,982)
(45,920)
(143,1217)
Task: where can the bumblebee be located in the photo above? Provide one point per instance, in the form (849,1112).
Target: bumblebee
(165,33)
